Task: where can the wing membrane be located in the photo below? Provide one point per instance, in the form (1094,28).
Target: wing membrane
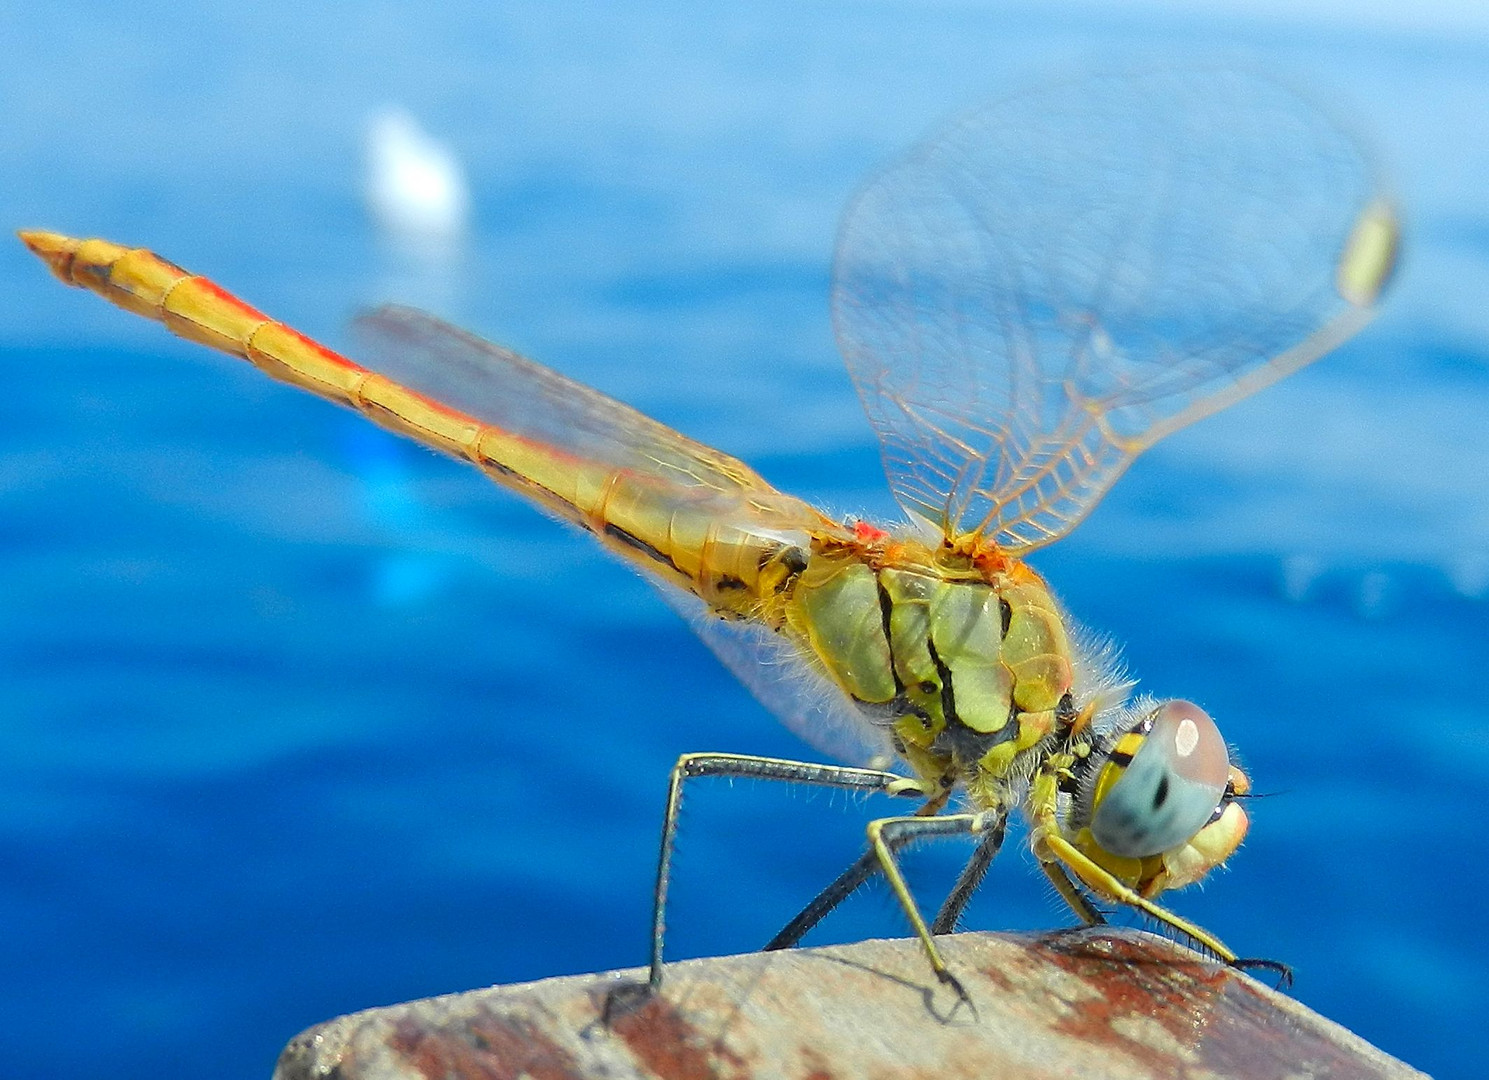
(495,385)
(783,678)
(1040,292)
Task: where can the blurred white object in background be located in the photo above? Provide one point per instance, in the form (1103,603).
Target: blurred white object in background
(415,187)
(419,200)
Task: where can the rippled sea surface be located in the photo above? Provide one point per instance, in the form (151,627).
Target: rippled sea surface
(297,718)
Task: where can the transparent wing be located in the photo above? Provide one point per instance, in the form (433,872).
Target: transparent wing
(783,679)
(498,387)
(1041,291)
(495,385)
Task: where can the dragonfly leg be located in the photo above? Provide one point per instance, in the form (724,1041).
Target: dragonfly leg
(1283,972)
(737,766)
(1079,902)
(970,879)
(868,864)
(1069,868)
(844,886)
(1043,803)
(1103,883)
(823,904)
(887,835)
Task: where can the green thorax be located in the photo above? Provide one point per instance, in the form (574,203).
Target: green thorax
(967,658)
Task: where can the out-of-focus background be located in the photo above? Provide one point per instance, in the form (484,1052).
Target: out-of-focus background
(297,718)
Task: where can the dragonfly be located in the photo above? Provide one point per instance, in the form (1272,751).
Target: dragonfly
(1025,301)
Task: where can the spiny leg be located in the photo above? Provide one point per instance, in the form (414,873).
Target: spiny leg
(1283,972)
(844,886)
(888,835)
(1104,883)
(822,905)
(867,865)
(741,766)
(1060,875)
(970,879)
(1079,902)
(1069,868)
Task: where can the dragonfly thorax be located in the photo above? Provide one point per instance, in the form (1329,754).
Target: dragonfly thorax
(966,662)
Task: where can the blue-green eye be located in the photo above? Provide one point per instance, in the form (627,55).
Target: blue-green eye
(1171,787)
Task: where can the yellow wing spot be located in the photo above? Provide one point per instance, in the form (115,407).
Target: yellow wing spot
(1369,255)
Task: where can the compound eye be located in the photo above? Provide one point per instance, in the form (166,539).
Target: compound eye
(1170,789)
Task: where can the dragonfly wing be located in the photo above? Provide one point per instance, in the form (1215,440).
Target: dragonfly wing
(497,386)
(786,682)
(1044,289)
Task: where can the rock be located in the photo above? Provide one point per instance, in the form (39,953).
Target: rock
(1110,1003)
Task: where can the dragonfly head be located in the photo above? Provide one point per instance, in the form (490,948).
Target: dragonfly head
(1157,802)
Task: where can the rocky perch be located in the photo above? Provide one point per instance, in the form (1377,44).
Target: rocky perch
(1085,1003)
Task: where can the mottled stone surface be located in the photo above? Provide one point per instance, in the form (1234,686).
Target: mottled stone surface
(1112,1004)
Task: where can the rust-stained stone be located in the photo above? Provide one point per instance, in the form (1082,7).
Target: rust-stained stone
(1111,1004)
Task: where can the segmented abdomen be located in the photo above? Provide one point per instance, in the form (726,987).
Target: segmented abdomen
(732,547)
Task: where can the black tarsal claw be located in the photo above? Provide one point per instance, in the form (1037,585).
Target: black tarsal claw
(1276,967)
(624,999)
(963,998)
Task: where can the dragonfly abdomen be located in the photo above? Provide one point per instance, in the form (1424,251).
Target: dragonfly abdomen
(699,541)
(971,671)
(695,518)
(195,308)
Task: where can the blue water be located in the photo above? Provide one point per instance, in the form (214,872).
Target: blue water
(297,719)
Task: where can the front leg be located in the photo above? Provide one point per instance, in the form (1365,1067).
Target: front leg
(1069,868)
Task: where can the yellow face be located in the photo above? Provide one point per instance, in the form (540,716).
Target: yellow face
(1216,841)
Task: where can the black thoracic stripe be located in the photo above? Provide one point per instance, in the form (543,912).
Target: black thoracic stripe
(1065,713)
(1120,757)
(1005,611)
(635,542)
(886,608)
(948,696)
